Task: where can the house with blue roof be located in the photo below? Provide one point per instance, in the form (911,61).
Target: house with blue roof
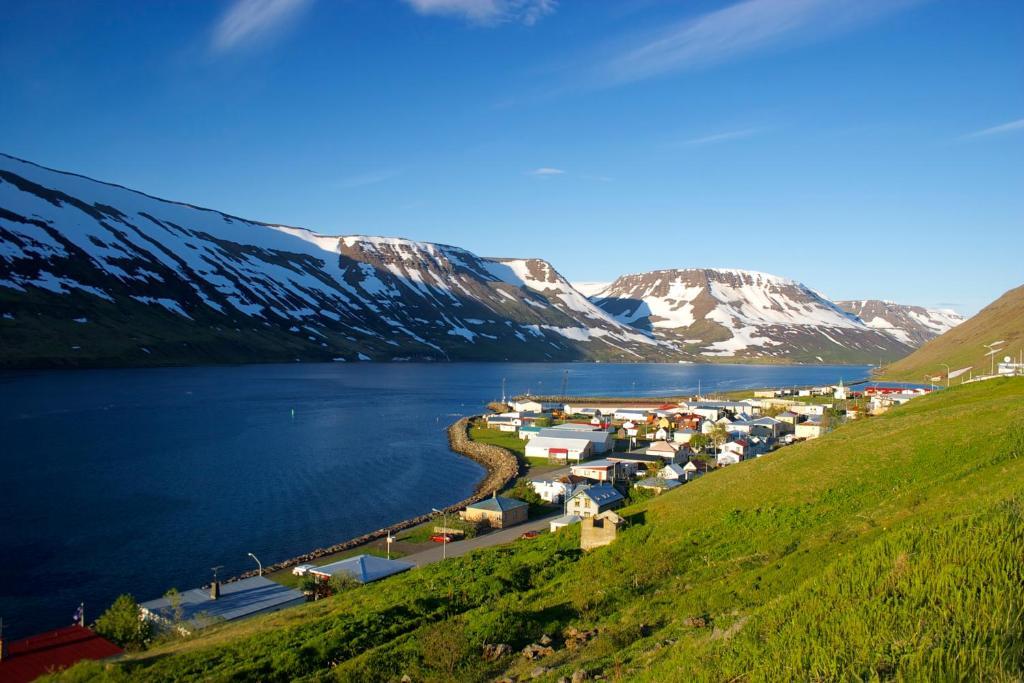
(497,512)
(593,501)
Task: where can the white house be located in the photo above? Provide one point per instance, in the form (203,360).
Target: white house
(633,415)
(694,469)
(600,470)
(558,448)
(529,405)
(683,436)
(664,449)
(727,458)
(673,471)
(550,491)
(811,429)
(600,441)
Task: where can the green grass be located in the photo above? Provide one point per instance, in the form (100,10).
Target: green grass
(889,549)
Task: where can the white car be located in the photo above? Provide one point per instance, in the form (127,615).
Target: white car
(302,569)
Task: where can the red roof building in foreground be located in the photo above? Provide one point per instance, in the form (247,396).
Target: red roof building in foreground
(29,658)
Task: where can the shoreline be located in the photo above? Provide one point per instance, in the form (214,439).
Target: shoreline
(501,467)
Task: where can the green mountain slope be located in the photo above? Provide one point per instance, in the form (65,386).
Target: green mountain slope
(891,548)
(963,346)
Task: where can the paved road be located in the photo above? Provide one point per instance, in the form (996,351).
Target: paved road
(549,474)
(487,540)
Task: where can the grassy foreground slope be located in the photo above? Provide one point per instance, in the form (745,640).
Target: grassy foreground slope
(962,346)
(893,548)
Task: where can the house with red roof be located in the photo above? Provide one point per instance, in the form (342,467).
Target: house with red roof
(29,658)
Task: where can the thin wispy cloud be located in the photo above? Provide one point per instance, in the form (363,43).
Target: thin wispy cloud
(487,12)
(735,31)
(1011,127)
(546,172)
(368,178)
(720,137)
(250,21)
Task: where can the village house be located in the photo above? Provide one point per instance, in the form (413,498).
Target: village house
(790,418)
(726,458)
(27,659)
(767,427)
(683,436)
(606,470)
(564,521)
(559,448)
(669,452)
(694,469)
(634,460)
(600,440)
(361,568)
(673,471)
(810,429)
(595,500)
(201,607)
(631,415)
(600,530)
(812,409)
(527,433)
(504,423)
(552,491)
(531,406)
(497,512)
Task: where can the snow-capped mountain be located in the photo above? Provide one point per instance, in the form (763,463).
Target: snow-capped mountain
(94,273)
(740,314)
(912,325)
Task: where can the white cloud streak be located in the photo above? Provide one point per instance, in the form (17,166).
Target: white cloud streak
(546,172)
(369,178)
(720,137)
(253,20)
(487,12)
(734,31)
(1011,127)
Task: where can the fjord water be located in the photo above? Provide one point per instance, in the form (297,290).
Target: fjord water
(135,481)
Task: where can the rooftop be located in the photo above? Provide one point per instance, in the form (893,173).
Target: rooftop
(363,568)
(601,495)
(29,658)
(497,504)
(238,599)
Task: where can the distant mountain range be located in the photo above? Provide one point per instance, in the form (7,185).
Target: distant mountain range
(97,274)
(912,325)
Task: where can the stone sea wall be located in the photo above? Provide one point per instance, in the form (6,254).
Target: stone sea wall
(502,468)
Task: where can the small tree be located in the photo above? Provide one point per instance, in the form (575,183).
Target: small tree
(341,582)
(123,624)
(719,435)
(699,442)
(175,612)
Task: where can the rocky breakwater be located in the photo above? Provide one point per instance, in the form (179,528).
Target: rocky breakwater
(502,467)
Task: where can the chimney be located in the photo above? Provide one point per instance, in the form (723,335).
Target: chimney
(215,589)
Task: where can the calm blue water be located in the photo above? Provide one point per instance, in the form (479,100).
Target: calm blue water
(134,481)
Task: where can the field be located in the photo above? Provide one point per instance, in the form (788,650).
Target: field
(889,549)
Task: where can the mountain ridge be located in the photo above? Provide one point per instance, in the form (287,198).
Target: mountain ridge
(95,273)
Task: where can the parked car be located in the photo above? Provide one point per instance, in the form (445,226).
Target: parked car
(302,569)
(441,538)
(527,535)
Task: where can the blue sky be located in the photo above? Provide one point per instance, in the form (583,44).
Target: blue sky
(869,148)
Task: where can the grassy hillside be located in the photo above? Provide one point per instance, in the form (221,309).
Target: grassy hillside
(891,548)
(963,346)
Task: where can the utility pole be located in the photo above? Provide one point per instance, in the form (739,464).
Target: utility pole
(946,365)
(503,398)
(444,533)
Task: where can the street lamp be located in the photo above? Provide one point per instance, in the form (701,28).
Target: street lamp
(444,533)
(390,540)
(258,563)
(947,373)
(992,353)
